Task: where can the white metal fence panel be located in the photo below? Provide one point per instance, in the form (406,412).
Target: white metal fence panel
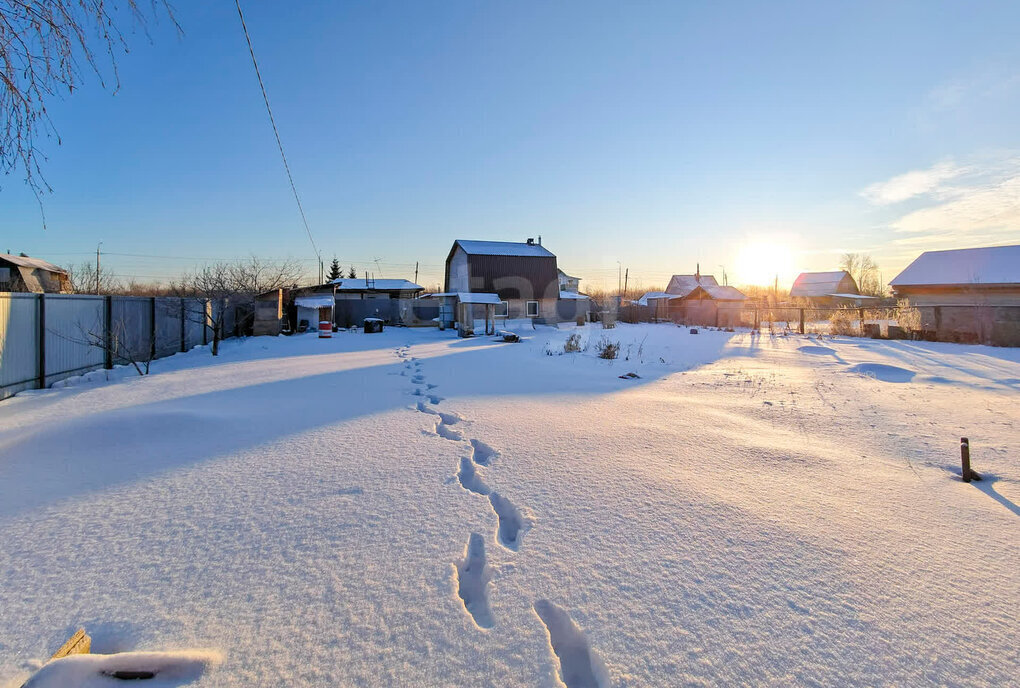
(72,322)
(19,343)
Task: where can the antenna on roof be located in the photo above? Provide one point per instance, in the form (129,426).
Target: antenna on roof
(539,239)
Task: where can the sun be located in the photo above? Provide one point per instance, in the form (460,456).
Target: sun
(759,262)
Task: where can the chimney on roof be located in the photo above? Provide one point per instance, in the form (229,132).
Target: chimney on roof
(23,254)
(531,241)
(539,239)
(697,273)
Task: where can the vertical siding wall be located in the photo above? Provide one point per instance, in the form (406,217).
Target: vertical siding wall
(19,343)
(46,337)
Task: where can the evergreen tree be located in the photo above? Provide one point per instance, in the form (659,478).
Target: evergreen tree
(352,273)
(334,270)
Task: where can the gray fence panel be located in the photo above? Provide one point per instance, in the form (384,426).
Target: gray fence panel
(132,326)
(168,326)
(193,327)
(72,322)
(19,343)
(350,312)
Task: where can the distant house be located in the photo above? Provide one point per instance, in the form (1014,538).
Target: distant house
(523,274)
(568,283)
(966,295)
(825,288)
(696,300)
(25,274)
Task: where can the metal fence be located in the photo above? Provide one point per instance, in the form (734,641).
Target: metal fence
(48,337)
(996,325)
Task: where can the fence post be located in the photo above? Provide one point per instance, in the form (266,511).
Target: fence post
(42,342)
(802,321)
(184,328)
(860,314)
(108,334)
(152,328)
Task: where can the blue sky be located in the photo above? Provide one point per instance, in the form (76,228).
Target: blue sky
(763,137)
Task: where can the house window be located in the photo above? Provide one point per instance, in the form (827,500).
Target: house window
(531,309)
(502,310)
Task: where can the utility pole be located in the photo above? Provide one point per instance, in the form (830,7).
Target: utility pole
(775,290)
(626,276)
(416,272)
(97,265)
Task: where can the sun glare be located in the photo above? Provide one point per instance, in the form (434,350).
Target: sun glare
(760,262)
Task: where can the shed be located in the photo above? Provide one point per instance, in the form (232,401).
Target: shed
(966,295)
(824,288)
(314,309)
(25,274)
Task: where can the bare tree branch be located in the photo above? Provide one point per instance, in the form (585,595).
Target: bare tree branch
(43,46)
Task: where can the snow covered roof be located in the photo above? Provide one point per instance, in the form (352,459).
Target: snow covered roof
(503,248)
(651,296)
(721,293)
(318,301)
(682,285)
(566,276)
(965,266)
(812,284)
(26,262)
(361,284)
(466,297)
(572,295)
(858,297)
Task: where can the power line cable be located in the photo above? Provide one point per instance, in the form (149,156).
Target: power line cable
(272,120)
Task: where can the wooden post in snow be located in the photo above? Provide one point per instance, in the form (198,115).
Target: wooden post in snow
(802,321)
(966,473)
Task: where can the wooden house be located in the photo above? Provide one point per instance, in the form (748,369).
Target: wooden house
(24,274)
(966,295)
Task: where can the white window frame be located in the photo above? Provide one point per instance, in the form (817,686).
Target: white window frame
(503,310)
(527,309)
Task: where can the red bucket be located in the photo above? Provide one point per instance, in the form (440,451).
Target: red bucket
(325,329)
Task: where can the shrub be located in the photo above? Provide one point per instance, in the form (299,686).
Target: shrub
(841,321)
(908,318)
(607,349)
(573,344)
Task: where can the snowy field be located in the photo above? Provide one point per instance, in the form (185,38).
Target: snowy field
(409,508)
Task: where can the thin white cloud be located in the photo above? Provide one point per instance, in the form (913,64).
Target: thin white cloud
(911,184)
(977,202)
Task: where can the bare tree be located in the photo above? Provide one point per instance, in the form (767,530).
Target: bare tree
(231,288)
(83,279)
(43,47)
(863,268)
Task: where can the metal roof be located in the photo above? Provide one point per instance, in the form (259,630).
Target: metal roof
(992,265)
(502,248)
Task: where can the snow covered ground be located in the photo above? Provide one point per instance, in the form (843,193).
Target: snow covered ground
(409,508)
